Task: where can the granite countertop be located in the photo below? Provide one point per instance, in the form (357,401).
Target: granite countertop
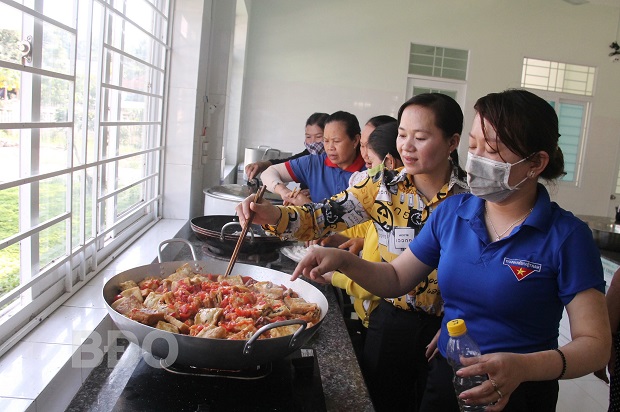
(343,384)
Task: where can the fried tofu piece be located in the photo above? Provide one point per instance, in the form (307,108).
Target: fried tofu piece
(128,285)
(154,301)
(269,289)
(167,326)
(231,280)
(182,327)
(181,273)
(208,316)
(281,310)
(243,334)
(214,332)
(146,316)
(299,305)
(284,330)
(135,291)
(146,282)
(126,304)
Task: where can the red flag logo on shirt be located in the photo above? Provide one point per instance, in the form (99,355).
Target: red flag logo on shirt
(522,268)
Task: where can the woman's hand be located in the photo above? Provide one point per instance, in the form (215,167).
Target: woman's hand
(505,375)
(252,169)
(320,261)
(295,198)
(602,373)
(431,348)
(353,245)
(264,212)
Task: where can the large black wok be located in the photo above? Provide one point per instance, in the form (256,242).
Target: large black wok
(207,352)
(222,232)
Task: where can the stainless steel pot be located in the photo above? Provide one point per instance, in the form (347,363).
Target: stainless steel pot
(222,200)
(253,155)
(605,231)
(206,352)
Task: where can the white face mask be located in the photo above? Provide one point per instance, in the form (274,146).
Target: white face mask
(488,179)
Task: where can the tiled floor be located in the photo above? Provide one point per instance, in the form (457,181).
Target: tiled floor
(586,394)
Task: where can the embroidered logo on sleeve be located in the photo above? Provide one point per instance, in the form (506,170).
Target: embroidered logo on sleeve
(521,268)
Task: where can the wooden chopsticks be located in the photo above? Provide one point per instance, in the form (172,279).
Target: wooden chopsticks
(244,231)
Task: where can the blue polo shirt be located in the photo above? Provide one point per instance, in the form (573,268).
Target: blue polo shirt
(321,175)
(512,292)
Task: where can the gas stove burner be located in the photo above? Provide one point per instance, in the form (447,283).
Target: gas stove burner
(258,372)
(217,253)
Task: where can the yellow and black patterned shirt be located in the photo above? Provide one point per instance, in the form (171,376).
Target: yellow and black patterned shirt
(398,211)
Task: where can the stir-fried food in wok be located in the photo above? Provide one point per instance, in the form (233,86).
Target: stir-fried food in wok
(212,306)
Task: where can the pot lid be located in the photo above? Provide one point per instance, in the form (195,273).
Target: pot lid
(237,192)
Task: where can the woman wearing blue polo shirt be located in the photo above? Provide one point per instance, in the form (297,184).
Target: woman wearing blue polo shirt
(324,174)
(509,261)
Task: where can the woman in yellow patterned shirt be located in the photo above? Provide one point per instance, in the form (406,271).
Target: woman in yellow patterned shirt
(398,203)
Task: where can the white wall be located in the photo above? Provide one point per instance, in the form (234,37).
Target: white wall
(352,55)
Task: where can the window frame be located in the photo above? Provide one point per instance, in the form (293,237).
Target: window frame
(46,288)
(586,102)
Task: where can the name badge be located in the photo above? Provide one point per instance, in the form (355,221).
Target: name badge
(400,238)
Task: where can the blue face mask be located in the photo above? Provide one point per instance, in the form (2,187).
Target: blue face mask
(315,148)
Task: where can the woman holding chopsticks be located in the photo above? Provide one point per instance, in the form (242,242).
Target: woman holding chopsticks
(327,173)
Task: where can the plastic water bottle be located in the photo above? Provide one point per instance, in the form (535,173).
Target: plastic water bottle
(461,345)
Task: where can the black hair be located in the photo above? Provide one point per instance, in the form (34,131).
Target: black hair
(380,120)
(317,119)
(526,124)
(382,140)
(448,118)
(351,123)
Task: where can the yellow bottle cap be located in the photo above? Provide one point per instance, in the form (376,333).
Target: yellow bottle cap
(456,327)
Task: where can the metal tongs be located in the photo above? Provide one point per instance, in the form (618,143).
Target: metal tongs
(244,231)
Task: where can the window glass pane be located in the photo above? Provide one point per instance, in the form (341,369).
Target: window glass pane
(9,203)
(9,266)
(60,10)
(56,100)
(570,117)
(52,243)
(123,106)
(9,155)
(125,36)
(454,74)
(130,197)
(52,197)
(133,74)
(54,149)
(10,82)
(130,170)
(456,54)
(9,39)
(145,16)
(455,64)
(558,77)
(58,47)
(447,63)
(421,70)
(422,49)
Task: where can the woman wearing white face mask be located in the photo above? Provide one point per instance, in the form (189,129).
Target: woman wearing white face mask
(508,262)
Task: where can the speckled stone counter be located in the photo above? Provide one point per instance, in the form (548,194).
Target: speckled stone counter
(611,256)
(342,381)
